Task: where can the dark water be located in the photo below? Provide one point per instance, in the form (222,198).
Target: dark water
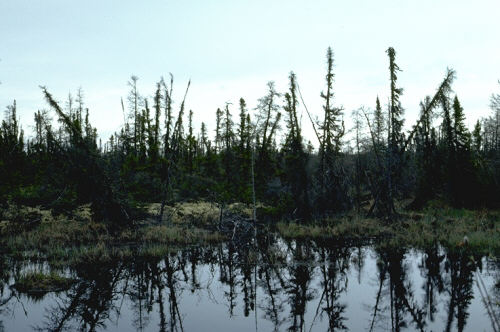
(268,285)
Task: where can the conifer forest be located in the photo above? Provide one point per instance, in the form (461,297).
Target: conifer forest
(256,221)
(255,156)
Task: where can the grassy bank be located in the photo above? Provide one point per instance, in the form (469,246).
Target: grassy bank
(31,233)
(480,229)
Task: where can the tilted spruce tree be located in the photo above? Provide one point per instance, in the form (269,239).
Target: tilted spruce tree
(178,139)
(397,143)
(268,119)
(93,182)
(428,154)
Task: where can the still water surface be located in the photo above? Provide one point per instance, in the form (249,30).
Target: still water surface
(267,285)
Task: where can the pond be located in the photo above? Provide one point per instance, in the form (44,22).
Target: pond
(264,285)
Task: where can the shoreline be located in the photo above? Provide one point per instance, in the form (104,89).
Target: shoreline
(60,237)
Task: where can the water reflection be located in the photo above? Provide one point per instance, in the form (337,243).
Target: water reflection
(264,284)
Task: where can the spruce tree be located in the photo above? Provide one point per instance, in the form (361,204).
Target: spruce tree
(268,119)
(218,130)
(155,145)
(428,153)
(134,100)
(358,141)
(461,134)
(12,154)
(191,144)
(228,158)
(205,143)
(395,136)
(295,157)
(242,130)
(167,92)
(86,171)
(463,171)
(477,138)
(331,194)
(378,122)
(244,133)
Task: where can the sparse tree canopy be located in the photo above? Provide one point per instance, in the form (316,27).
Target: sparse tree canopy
(159,156)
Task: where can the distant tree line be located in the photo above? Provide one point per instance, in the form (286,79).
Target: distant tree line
(257,156)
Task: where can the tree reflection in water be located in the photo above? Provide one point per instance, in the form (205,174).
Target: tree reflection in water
(90,302)
(400,289)
(459,269)
(295,286)
(447,276)
(4,280)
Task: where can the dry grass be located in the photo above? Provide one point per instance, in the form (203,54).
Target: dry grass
(178,235)
(68,238)
(60,237)
(195,213)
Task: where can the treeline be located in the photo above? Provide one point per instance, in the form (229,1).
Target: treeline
(259,156)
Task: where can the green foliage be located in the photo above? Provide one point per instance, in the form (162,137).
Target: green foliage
(157,155)
(12,154)
(331,196)
(268,119)
(295,158)
(38,283)
(378,123)
(476,137)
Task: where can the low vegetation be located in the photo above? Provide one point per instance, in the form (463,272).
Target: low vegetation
(38,283)
(35,233)
(62,238)
(452,228)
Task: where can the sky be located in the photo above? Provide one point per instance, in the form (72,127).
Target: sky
(231,49)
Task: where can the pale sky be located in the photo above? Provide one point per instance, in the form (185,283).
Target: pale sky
(231,49)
